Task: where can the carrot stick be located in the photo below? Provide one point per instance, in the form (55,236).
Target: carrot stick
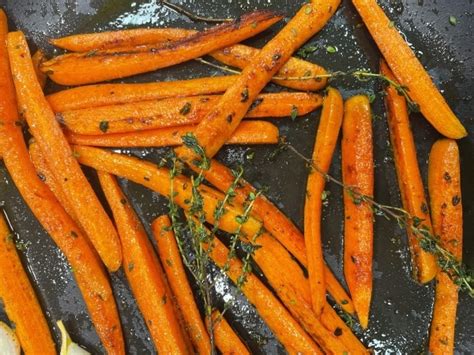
(215,129)
(248,132)
(326,139)
(144,273)
(58,155)
(227,341)
(38,58)
(92,67)
(237,55)
(88,271)
(277,224)
(113,94)
(47,176)
(444,184)
(408,69)
(174,112)
(171,260)
(358,171)
(409,178)
(278,319)
(19,299)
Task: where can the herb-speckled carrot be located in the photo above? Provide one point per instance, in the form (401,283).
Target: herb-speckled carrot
(227,341)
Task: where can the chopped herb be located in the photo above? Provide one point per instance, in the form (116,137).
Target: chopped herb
(308,10)
(371,97)
(244,95)
(169,263)
(294,112)
(453,20)
(391,24)
(254,24)
(343,302)
(456,199)
(306,51)
(104,126)
(250,155)
(131,266)
(331,49)
(276,56)
(91,53)
(325,194)
(185,109)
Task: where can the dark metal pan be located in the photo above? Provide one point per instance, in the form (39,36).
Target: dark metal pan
(401,309)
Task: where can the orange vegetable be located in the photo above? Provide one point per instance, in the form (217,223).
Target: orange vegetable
(45,173)
(171,260)
(278,319)
(408,69)
(409,177)
(58,154)
(38,58)
(19,299)
(248,132)
(227,341)
(174,112)
(277,224)
(358,172)
(215,129)
(144,273)
(88,271)
(326,140)
(237,55)
(96,66)
(444,184)
(114,94)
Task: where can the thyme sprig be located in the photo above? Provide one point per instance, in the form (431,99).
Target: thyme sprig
(359,74)
(191,15)
(455,269)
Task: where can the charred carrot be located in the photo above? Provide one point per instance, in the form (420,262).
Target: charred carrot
(248,132)
(38,58)
(237,55)
(114,94)
(358,172)
(175,112)
(144,273)
(19,299)
(92,67)
(58,154)
(326,139)
(409,178)
(88,271)
(227,341)
(215,129)
(284,326)
(444,184)
(277,224)
(171,260)
(408,69)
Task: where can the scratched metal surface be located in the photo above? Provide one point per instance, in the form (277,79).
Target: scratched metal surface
(401,309)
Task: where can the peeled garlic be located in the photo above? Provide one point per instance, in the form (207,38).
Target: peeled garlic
(68,347)
(9,344)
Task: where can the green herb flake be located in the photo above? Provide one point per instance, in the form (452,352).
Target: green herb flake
(185,109)
(294,112)
(254,24)
(453,20)
(131,266)
(371,97)
(325,194)
(169,263)
(308,10)
(104,126)
(306,51)
(331,49)
(250,155)
(244,95)
(91,53)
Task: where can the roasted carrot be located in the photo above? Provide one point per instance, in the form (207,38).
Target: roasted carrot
(408,69)
(175,112)
(227,341)
(116,39)
(45,174)
(248,132)
(283,325)
(38,58)
(58,154)
(277,224)
(144,273)
(215,129)
(88,271)
(19,299)
(171,260)
(358,173)
(92,67)
(326,139)
(114,94)
(409,178)
(237,55)
(444,184)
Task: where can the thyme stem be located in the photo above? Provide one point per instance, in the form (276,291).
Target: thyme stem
(191,15)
